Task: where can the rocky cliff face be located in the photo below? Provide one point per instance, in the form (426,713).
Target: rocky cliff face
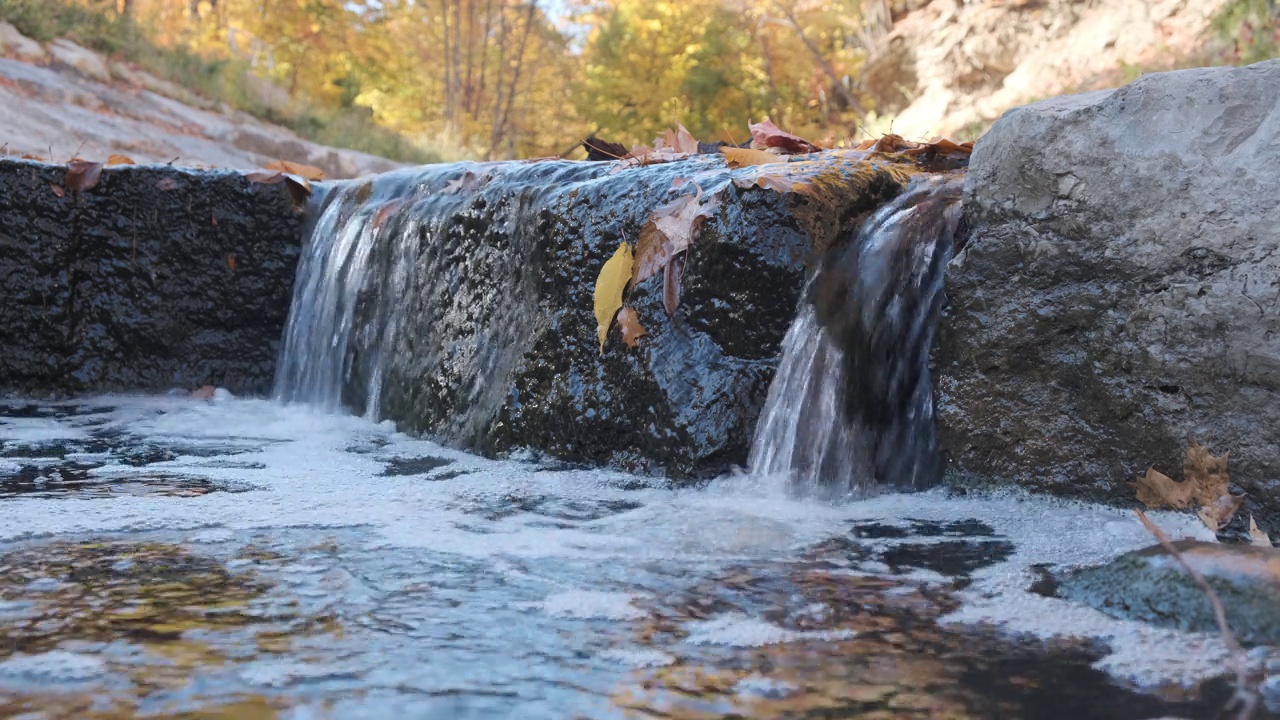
(153,279)
(951,67)
(1118,291)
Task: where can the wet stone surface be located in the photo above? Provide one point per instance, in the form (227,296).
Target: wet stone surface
(333,587)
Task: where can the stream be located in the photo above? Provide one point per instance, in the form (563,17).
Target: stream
(178,557)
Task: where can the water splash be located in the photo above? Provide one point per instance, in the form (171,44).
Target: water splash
(851,408)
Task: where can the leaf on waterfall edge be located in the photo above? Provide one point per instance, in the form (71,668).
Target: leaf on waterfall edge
(767,135)
(385,212)
(82,175)
(669,231)
(612,281)
(632,330)
(1205,485)
(363,192)
(599,150)
(776,180)
(1256,536)
(310,172)
(744,157)
(120,160)
(468,182)
(676,141)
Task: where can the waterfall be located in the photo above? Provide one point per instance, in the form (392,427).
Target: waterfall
(851,407)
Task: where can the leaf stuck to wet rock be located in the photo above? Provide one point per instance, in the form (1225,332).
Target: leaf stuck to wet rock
(669,231)
(632,330)
(82,175)
(58,191)
(767,135)
(1256,536)
(120,160)
(610,284)
(744,157)
(310,172)
(1205,486)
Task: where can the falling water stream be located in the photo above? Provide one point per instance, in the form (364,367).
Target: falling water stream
(173,557)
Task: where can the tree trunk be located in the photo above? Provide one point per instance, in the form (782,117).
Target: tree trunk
(495,127)
(837,84)
(515,75)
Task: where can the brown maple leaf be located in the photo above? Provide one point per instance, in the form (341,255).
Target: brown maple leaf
(632,330)
(767,135)
(1157,490)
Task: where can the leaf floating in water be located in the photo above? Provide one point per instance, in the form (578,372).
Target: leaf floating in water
(744,157)
(632,330)
(1256,536)
(612,280)
(82,175)
(310,172)
(766,134)
(120,160)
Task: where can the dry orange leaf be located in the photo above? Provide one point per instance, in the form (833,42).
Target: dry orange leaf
(29,156)
(120,160)
(679,140)
(743,157)
(205,392)
(668,232)
(1207,472)
(632,330)
(766,134)
(1157,490)
(1256,536)
(82,175)
(310,172)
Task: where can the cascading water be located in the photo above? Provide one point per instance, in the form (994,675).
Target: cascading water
(851,407)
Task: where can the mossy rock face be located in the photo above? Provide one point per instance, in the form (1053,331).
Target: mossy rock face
(154,278)
(489,338)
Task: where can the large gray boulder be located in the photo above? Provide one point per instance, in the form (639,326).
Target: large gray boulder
(1117,292)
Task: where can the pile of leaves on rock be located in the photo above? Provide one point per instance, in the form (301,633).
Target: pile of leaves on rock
(1204,489)
(783,163)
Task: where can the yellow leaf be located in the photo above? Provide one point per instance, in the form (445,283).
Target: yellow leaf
(610,283)
(1256,536)
(742,157)
(1206,473)
(120,160)
(310,172)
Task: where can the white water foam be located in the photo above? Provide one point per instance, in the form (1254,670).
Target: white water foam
(308,476)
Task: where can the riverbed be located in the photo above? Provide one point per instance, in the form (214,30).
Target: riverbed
(181,557)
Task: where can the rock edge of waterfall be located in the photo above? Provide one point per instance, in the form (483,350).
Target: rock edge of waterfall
(1117,292)
(154,278)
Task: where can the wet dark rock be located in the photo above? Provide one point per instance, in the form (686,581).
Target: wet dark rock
(414,466)
(1115,293)
(474,320)
(1149,585)
(130,285)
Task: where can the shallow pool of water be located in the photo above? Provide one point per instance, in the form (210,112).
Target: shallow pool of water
(172,557)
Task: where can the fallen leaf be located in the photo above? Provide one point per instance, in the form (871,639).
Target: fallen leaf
(37,158)
(671,276)
(309,172)
(385,212)
(469,182)
(263,177)
(363,192)
(779,182)
(120,160)
(612,280)
(1207,473)
(599,150)
(766,134)
(1157,490)
(743,157)
(57,190)
(167,184)
(205,392)
(668,232)
(82,175)
(632,330)
(299,189)
(231,262)
(679,140)
(1256,536)
(1217,514)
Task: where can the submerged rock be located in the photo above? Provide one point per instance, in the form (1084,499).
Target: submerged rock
(1150,585)
(1118,290)
(153,278)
